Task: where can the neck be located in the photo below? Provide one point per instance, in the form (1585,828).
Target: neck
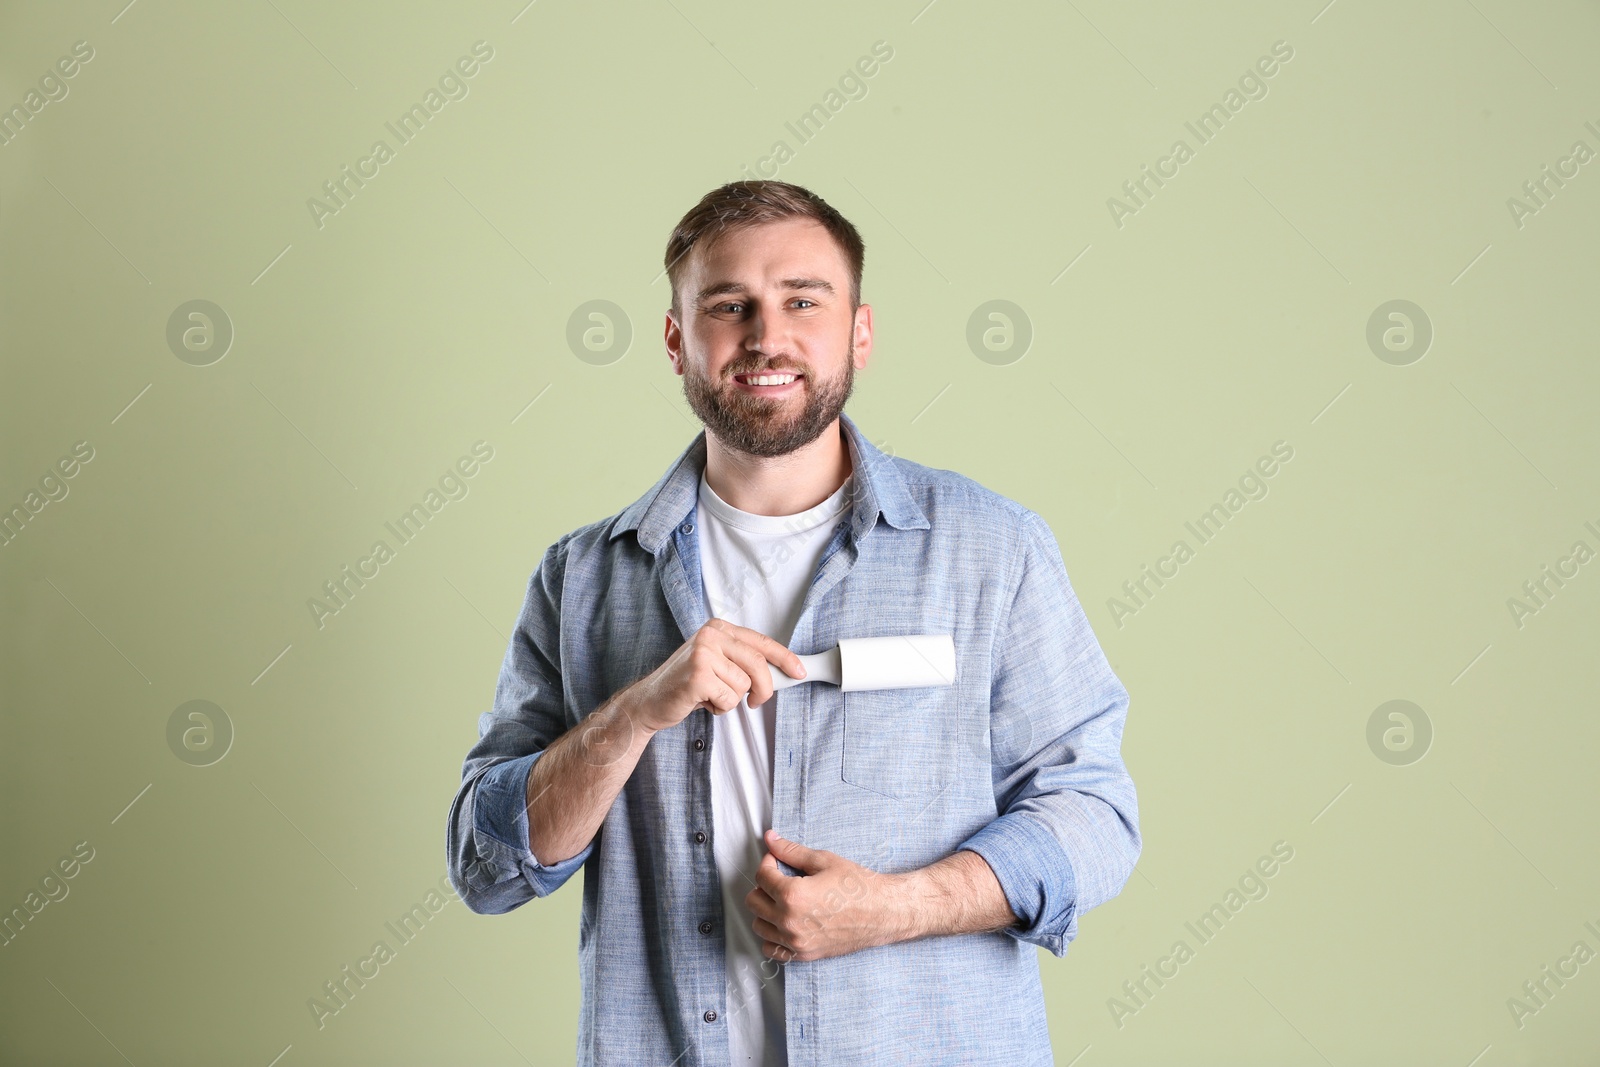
(779,485)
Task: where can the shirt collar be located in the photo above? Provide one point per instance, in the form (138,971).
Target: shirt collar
(880,488)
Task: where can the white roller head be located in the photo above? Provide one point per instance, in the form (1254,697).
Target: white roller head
(903,662)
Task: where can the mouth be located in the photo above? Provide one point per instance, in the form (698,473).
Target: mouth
(768,384)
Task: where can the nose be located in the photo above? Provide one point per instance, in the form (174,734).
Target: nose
(764,334)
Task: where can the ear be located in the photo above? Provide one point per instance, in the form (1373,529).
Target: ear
(673,336)
(862,335)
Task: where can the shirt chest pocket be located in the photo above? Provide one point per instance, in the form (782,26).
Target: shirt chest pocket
(900,743)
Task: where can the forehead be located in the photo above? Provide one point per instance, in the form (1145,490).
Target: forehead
(767,252)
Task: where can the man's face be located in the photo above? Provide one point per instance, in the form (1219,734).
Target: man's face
(771,300)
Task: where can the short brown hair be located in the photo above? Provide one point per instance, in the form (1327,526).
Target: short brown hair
(739,205)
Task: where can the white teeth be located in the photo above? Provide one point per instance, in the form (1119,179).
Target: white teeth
(770,379)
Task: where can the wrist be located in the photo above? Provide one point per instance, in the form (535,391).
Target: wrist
(912,895)
(627,715)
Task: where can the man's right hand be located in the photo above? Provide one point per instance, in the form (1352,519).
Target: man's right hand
(716,668)
(573,786)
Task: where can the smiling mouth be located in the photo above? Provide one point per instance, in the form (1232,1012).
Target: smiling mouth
(767,383)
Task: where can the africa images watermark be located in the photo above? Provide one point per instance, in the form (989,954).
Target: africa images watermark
(1538,591)
(53,89)
(452,486)
(1542,189)
(339,992)
(1252,886)
(1252,486)
(53,487)
(1205,128)
(341,189)
(852,85)
(54,887)
(1537,992)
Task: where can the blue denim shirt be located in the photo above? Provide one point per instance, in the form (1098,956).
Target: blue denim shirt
(1019,761)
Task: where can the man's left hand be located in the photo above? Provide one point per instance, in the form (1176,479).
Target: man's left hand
(836,907)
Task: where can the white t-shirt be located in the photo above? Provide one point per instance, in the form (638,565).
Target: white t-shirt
(756,570)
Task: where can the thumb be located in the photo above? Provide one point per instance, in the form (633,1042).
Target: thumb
(793,852)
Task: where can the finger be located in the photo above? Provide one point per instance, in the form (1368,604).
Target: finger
(722,683)
(723,702)
(769,878)
(750,660)
(794,853)
(768,932)
(761,905)
(773,651)
(781,953)
(769,650)
(735,684)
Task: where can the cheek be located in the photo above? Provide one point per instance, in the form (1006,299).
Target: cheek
(715,372)
(715,348)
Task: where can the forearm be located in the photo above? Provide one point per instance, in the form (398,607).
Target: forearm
(957,895)
(573,785)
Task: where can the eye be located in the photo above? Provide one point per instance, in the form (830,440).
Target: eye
(804,300)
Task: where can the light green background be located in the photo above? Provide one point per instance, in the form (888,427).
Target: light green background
(1229,313)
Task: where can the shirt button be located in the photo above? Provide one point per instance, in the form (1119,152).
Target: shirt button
(705,927)
(687,528)
(699,837)
(699,744)
(710,1016)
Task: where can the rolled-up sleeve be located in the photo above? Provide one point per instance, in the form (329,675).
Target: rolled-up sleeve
(1067,836)
(490,863)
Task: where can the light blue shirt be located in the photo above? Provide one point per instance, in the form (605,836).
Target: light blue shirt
(1019,761)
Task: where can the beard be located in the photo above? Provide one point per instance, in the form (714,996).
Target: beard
(767,426)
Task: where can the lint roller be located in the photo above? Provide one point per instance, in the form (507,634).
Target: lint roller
(901,662)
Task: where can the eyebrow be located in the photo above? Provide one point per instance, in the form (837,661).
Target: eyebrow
(721,288)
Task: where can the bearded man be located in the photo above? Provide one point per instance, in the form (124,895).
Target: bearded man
(778,872)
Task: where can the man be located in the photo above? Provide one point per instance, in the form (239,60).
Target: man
(798,875)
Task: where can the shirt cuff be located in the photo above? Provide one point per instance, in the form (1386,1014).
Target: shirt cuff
(500,824)
(1036,877)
